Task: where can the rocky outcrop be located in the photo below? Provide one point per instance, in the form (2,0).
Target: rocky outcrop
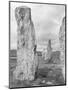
(26,59)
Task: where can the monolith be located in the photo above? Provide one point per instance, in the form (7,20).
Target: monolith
(62,45)
(49,50)
(26,59)
(62,40)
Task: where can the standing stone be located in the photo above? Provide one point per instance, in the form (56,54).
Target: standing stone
(49,50)
(44,54)
(62,45)
(26,60)
(62,40)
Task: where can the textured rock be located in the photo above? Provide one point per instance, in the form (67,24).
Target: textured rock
(26,59)
(44,53)
(62,40)
(62,44)
(49,50)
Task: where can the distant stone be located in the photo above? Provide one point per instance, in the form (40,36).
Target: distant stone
(43,81)
(55,58)
(49,50)
(36,82)
(49,83)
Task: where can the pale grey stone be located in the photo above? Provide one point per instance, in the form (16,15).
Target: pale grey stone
(26,59)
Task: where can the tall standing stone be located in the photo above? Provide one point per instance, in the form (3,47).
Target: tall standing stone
(62,40)
(62,44)
(49,50)
(26,60)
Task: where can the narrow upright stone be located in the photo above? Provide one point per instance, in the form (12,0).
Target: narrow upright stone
(62,40)
(49,50)
(62,45)
(26,60)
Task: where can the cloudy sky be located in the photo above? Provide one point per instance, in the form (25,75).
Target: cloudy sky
(47,20)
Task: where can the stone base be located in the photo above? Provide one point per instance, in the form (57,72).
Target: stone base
(26,66)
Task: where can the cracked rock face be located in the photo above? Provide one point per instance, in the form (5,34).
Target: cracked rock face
(26,59)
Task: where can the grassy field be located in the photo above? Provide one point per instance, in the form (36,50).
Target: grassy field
(47,74)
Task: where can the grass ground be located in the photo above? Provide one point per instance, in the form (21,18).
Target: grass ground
(46,75)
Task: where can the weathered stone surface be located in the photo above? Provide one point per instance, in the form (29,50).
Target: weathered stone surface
(44,53)
(62,40)
(49,50)
(62,44)
(26,59)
